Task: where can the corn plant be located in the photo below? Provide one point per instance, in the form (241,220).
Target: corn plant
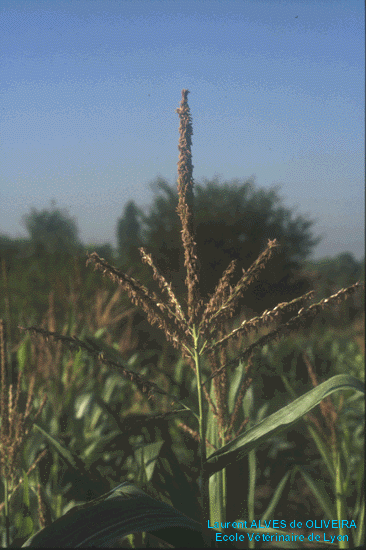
(200,334)
(14,430)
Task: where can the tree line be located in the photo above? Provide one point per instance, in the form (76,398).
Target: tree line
(233,219)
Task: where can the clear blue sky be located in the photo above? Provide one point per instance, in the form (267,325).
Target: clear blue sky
(89,90)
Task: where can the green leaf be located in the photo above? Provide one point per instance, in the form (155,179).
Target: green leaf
(269,513)
(65,453)
(24,352)
(23,520)
(278,422)
(235,385)
(120,512)
(146,457)
(318,489)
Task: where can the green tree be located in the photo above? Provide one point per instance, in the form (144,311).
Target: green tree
(129,234)
(340,271)
(53,231)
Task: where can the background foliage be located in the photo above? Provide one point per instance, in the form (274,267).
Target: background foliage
(45,282)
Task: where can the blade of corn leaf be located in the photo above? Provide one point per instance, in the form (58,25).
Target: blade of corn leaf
(65,453)
(124,510)
(82,478)
(239,447)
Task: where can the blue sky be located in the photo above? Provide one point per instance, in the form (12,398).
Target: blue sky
(89,90)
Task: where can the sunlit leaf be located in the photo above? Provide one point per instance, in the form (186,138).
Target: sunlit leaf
(239,447)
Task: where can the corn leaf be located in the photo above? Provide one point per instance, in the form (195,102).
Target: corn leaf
(120,512)
(239,447)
